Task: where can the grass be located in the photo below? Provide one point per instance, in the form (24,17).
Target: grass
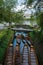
(2,33)
(4,42)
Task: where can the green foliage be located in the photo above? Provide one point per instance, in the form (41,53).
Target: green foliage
(32,35)
(7,15)
(18,16)
(29,2)
(4,43)
(2,33)
(1,3)
(5,10)
(40,19)
(10,3)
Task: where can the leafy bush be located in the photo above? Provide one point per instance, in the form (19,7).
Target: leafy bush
(4,40)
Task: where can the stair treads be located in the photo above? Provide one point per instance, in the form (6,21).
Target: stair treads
(25,56)
(9,57)
(33,64)
(33,56)
(17,55)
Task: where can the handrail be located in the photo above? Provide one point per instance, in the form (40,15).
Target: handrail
(26,53)
(9,55)
(16,56)
(9,45)
(32,51)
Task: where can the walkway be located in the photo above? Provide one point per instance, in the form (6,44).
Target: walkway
(13,56)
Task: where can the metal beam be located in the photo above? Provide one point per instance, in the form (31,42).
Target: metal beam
(19,29)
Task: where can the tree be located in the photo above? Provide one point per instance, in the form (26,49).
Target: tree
(29,2)
(5,10)
(37,35)
(40,20)
(19,16)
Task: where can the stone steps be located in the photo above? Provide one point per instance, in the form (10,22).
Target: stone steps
(25,56)
(9,58)
(33,57)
